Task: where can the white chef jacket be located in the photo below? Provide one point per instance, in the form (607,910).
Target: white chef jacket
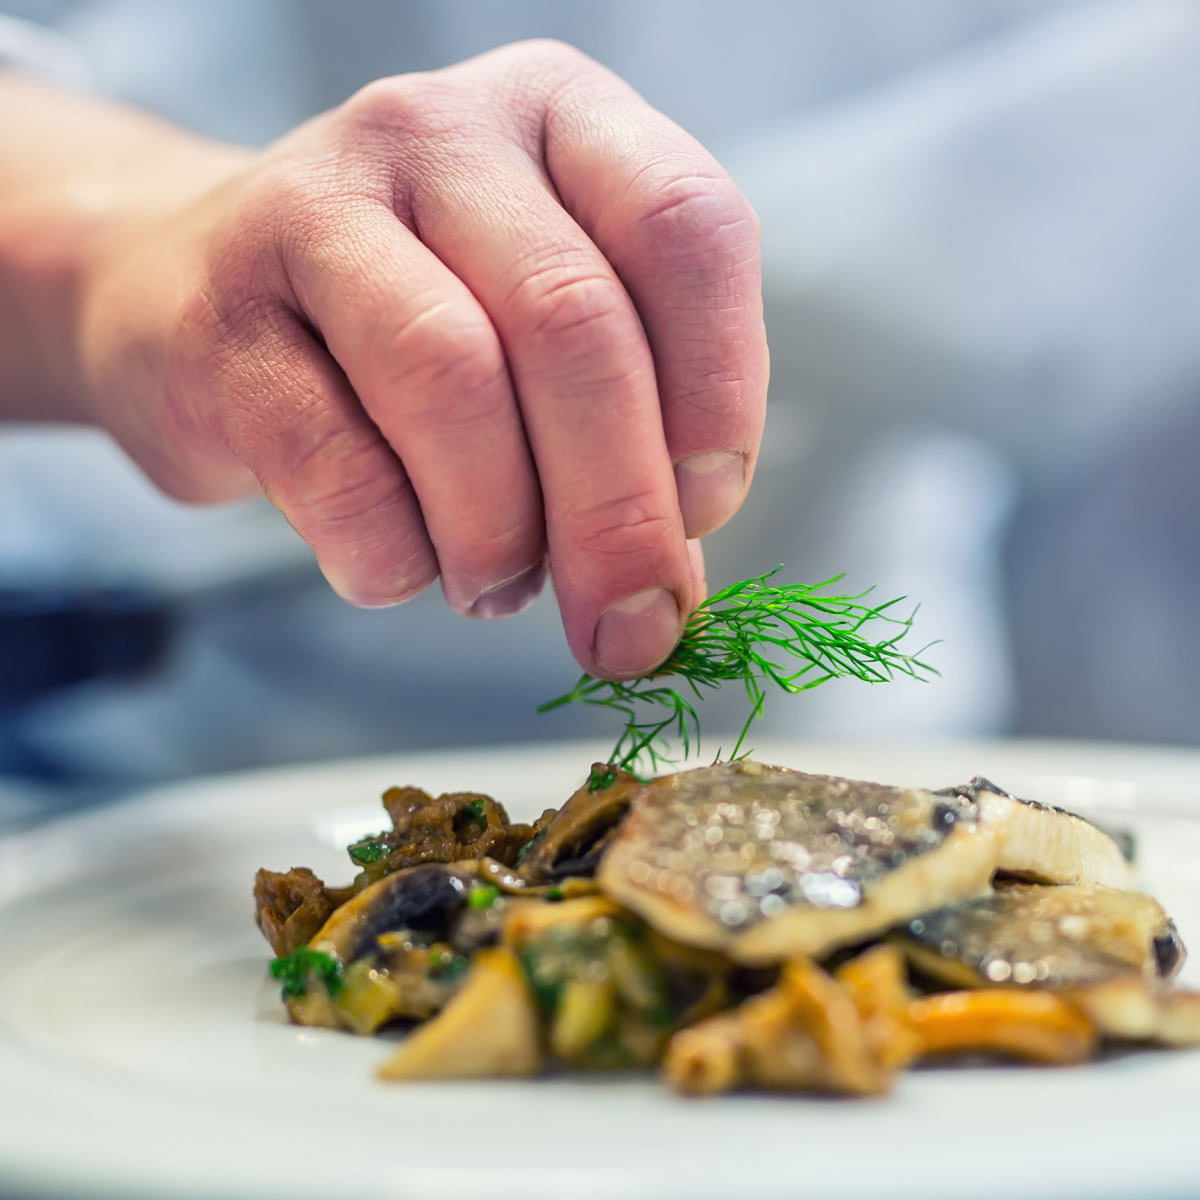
(981,265)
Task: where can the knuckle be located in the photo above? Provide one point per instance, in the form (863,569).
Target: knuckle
(342,481)
(352,504)
(384,102)
(564,305)
(621,527)
(421,105)
(685,216)
(545,57)
(445,365)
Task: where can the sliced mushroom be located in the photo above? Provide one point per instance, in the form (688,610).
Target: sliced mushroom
(489,1029)
(803,1034)
(1034,1026)
(878,984)
(574,839)
(424,899)
(455,827)
(380,978)
(290,906)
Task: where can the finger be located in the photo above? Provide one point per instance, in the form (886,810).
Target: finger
(699,574)
(286,411)
(585,379)
(429,369)
(685,243)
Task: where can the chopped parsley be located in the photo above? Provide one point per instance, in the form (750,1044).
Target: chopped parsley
(546,987)
(601,777)
(555,893)
(483,896)
(296,971)
(447,967)
(529,845)
(475,808)
(368,850)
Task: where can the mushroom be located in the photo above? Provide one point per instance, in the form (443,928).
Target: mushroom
(1034,1026)
(803,1034)
(422,901)
(455,827)
(290,906)
(489,1029)
(576,836)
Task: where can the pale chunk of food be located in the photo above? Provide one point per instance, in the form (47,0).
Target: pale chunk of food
(1045,843)
(489,1029)
(807,1033)
(1108,952)
(765,864)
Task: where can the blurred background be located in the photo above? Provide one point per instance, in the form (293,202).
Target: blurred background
(981,230)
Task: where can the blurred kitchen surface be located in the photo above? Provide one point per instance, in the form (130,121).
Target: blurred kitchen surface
(981,228)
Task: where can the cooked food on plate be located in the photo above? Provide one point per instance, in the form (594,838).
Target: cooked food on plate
(733,926)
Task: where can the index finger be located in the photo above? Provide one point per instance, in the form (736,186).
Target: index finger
(685,243)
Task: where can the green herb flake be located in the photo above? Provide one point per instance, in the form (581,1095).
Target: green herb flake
(529,845)
(760,635)
(601,778)
(483,896)
(296,972)
(369,850)
(447,967)
(475,808)
(547,990)
(555,893)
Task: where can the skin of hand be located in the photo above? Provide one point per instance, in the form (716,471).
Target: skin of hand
(470,322)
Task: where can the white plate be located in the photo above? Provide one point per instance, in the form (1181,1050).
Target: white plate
(143,1051)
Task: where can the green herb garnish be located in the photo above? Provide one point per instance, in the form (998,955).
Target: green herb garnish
(295,971)
(447,967)
(760,635)
(529,845)
(546,987)
(599,778)
(555,893)
(368,850)
(475,808)
(483,896)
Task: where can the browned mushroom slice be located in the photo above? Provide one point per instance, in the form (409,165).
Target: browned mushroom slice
(804,1034)
(489,1029)
(290,906)
(379,943)
(1034,1026)
(1105,951)
(456,827)
(574,838)
(878,984)
(766,864)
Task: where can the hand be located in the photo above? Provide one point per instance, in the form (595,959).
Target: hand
(467,322)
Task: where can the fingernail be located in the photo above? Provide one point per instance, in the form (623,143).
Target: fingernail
(634,635)
(511,596)
(710,487)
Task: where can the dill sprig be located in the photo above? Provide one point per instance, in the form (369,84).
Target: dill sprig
(759,634)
